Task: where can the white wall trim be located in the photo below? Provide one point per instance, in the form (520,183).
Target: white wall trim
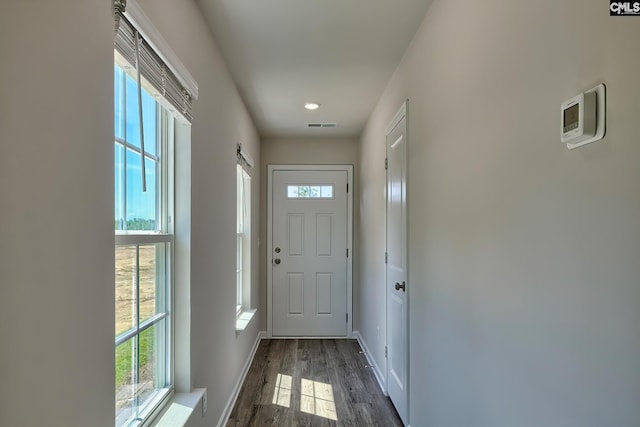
(376,369)
(243,374)
(143,24)
(349,169)
(179,409)
(311,337)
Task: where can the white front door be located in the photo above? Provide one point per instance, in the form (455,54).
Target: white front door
(397,314)
(309,252)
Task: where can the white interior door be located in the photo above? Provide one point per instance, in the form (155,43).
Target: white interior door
(309,252)
(397,314)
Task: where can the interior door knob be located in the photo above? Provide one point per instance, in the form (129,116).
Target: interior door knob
(277,250)
(399,286)
(277,260)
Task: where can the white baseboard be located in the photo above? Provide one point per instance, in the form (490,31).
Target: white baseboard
(309,337)
(376,369)
(243,374)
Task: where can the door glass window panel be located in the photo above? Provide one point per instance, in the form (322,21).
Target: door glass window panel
(313,191)
(326,191)
(306,191)
(292,191)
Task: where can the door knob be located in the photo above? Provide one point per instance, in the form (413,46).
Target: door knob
(277,250)
(277,260)
(399,286)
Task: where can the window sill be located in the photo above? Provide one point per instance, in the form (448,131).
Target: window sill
(179,409)
(243,319)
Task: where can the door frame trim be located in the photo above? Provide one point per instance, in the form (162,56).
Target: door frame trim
(271,168)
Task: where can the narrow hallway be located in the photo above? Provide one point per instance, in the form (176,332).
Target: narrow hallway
(314,382)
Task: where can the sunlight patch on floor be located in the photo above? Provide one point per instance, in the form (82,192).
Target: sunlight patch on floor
(317,398)
(282,392)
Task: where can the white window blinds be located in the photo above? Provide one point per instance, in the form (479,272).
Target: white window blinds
(244,159)
(150,64)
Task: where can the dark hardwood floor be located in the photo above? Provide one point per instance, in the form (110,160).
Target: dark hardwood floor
(311,383)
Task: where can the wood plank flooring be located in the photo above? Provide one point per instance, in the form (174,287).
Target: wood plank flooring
(312,383)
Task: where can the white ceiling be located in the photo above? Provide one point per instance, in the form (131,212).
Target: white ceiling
(339,53)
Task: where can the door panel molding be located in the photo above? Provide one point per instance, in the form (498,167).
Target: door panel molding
(269,253)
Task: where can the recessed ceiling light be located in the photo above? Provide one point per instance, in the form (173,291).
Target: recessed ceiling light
(311,106)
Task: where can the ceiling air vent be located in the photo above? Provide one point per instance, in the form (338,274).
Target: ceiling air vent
(322,125)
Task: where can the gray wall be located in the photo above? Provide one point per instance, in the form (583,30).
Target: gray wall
(307,151)
(56,214)
(524,274)
(218,353)
(56,205)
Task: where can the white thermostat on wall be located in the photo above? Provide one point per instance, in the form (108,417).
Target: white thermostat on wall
(582,118)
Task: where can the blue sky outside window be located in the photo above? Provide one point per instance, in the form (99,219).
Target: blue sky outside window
(141,205)
(134,209)
(149,116)
(118,96)
(119,186)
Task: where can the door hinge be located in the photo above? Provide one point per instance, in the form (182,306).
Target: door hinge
(386,257)
(386,163)
(386,351)
(347,187)
(347,252)
(347,317)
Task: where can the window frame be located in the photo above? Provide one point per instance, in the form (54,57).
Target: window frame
(163,235)
(243,239)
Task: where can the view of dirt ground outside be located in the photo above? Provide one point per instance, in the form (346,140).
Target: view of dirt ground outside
(132,265)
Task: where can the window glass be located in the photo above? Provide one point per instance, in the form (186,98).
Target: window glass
(243,240)
(128,117)
(140,368)
(142,259)
(239,250)
(306,191)
(132,122)
(126,293)
(326,191)
(118,97)
(119,165)
(151,267)
(126,360)
(141,208)
(149,116)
